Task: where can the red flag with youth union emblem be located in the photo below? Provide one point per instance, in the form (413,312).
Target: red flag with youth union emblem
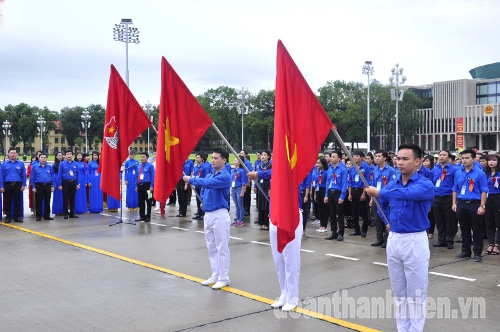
(125,121)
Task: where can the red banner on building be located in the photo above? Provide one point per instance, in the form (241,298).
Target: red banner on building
(460,125)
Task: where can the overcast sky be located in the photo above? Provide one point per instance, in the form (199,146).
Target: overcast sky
(57,53)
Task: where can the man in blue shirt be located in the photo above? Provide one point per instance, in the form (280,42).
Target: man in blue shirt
(68,177)
(443,179)
(182,188)
(336,190)
(201,170)
(410,198)
(215,198)
(247,198)
(357,195)
(470,190)
(12,181)
(145,186)
(42,184)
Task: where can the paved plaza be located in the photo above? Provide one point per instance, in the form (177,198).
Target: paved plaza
(82,274)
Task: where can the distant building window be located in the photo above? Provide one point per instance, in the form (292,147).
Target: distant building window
(63,141)
(56,149)
(140,141)
(56,140)
(140,149)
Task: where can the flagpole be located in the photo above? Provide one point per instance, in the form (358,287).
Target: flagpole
(348,154)
(238,157)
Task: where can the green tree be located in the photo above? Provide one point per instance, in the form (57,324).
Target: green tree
(50,118)
(71,119)
(153,111)
(95,143)
(79,142)
(23,123)
(97,116)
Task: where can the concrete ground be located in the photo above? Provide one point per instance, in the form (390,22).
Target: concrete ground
(81,274)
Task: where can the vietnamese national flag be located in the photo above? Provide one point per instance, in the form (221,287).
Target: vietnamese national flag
(301,125)
(182,123)
(125,121)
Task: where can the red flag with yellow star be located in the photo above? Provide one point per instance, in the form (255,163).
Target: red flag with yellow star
(182,123)
(125,121)
(301,125)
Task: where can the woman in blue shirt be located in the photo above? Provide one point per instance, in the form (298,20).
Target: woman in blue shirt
(238,188)
(81,194)
(94,178)
(492,213)
(57,198)
(320,182)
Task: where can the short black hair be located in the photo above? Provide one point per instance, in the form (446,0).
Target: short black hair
(453,157)
(12,149)
(358,153)
(448,152)
(65,152)
(484,156)
(417,151)
(145,154)
(132,152)
(338,153)
(369,154)
(223,153)
(472,152)
(42,154)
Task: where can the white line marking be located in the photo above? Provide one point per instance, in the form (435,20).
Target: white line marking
(378,263)
(153,223)
(202,232)
(104,214)
(305,250)
(182,229)
(451,276)
(235,238)
(266,244)
(343,257)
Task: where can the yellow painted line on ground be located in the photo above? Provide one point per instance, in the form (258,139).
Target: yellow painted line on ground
(305,312)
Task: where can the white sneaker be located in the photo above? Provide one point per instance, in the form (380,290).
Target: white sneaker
(322,230)
(278,304)
(220,284)
(209,281)
(288,307)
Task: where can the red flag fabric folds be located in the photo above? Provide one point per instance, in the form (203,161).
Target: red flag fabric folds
(181,125)
(301,125)
(125,121)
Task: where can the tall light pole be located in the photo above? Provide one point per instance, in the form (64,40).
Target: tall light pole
(86,125)
(6,131)
(397,94)
(147,108)
(243,109)
(123,33)
(368,70)
(41,122)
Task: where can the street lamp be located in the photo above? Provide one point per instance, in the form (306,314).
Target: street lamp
(6,132)
(397,94)
(123,33)
(86,125)
(243,108)
(368,70)
(147,108)
(41,122)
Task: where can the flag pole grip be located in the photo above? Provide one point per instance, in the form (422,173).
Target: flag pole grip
(238,157)
(348,154)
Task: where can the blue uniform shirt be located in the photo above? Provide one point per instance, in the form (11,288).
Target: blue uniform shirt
(42,174)
(371,176)
(256,164)
(493,183)
(382,177)
(131,169)
(306,183)
(409,204)
(336,179)
(67,171)
(320,178)
(475,179)
(188,168)
(214,190)
(443,187)
(147,174)
(202,170)
(248,164)
(238,177)
(354,179)
(12,172)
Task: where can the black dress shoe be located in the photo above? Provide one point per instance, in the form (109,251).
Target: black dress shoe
(354,233)
(247,213)
(450,246)
(179,215)
(140,219)
(439,244)
(331,237)
(464,254)
(147,220)
(363,234)
(48,218)
(377,243)
(477,258)
(65,216)
(171,203)
(18,220)
(73,216)
(200,218)
(383,246)
(460,241)
(340,238)
(38,218)
(8,220)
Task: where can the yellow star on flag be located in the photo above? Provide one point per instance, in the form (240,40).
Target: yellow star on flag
(169,139)
(111,130)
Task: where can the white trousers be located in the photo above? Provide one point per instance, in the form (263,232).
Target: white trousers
(287,263)
(408,261)
(216,227)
